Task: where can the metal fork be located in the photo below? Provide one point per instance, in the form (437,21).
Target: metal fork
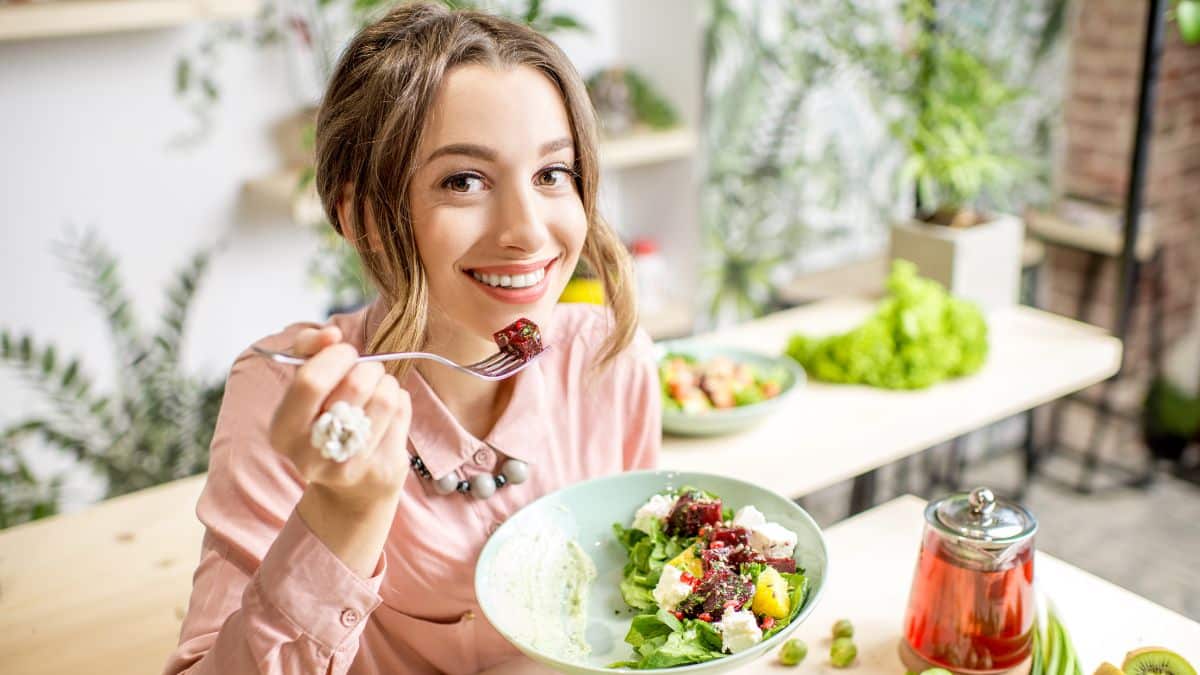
(498,366)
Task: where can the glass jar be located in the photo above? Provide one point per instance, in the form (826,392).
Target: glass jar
(971,609)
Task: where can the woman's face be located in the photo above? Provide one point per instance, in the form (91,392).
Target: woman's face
(498,222)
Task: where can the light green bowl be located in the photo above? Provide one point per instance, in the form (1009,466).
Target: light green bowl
(728,420)
(586,511)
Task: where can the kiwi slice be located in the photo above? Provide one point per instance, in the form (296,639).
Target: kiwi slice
(1107,668)
(1156,661)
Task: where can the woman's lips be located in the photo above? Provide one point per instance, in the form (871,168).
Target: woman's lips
(515,296)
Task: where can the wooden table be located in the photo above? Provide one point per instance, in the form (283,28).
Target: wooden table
(826,433)
(871,562)
(103,590)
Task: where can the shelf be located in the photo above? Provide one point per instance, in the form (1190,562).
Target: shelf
(1091,227)
(647,147)
(60,18)
(638,149)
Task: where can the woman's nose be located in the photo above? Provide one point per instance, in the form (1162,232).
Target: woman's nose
(521,221)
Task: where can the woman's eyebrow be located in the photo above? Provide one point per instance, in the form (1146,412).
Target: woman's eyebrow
(488,154)
(556,145)
(468,149)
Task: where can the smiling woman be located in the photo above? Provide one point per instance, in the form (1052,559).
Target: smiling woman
(457,152)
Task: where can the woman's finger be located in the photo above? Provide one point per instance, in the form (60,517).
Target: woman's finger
(305,398)
(357,386)
(382,406)
(309,341)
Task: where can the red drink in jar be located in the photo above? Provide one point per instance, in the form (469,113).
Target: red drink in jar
(972,607)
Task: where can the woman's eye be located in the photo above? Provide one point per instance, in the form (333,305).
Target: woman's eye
(463,182)
(555,177)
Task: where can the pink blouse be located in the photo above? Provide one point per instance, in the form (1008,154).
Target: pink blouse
(269,597)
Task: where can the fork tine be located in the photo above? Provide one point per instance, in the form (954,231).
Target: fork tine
(500,365)
(504,365)
(498,356)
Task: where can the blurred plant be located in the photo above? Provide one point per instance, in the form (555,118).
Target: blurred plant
(770,189)
(318,29)
(624,97)
(955,128)
(155,427)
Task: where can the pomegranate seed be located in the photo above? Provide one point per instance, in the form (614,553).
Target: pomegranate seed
(678,615)
(768,622)
(705,617)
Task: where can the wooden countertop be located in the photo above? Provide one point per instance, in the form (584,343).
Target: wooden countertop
(827,433)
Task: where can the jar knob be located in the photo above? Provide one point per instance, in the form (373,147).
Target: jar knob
(982,501)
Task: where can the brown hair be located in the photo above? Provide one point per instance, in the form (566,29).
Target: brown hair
(369,127)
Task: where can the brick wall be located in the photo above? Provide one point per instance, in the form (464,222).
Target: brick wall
(1100,116)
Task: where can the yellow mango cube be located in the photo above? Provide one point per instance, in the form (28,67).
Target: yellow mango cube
(771,595)
(688,562)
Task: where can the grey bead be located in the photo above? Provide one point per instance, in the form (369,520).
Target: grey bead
(515,471)
(446,484)
(483,485)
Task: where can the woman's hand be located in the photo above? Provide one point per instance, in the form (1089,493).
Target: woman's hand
(377,472)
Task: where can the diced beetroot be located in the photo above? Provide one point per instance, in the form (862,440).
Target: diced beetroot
(744,554)
(729,535)
(716,558)
(520,338)
(693,511)
(724,589)
(787,565)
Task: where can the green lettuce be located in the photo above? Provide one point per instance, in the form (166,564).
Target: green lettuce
(918,336)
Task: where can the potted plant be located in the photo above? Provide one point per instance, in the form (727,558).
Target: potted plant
(153,427)
(961,158)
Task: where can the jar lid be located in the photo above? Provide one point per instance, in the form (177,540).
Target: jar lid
(980,516)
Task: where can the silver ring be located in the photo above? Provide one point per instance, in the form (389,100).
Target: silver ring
(341,432)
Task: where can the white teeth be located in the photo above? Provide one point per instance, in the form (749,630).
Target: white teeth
(511,280)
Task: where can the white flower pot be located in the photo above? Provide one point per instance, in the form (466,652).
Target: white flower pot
(980,263)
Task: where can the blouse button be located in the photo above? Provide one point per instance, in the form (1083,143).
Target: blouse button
(350,618)
(482,457)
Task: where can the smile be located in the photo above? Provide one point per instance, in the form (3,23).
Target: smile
(511,280)
(514,284)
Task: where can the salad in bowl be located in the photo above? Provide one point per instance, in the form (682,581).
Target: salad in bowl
(710,389)
(652,570)
(709,581)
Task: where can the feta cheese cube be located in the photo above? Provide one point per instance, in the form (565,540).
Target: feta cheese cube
(739,631)
(656,509)
(671,589)
(749,517)
(773,540)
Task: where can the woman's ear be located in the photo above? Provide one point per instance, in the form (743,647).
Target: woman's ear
(351,230)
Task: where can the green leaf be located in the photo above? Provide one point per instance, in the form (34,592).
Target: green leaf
(637,595)
(183,74)
(566,22)
(48,361)
(211,92)
(532,10)
(69,374)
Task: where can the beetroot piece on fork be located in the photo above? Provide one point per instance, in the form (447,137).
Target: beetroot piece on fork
(521,338)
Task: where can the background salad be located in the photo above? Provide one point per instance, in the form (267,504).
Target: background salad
(694,386)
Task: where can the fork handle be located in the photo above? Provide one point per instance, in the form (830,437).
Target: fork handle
(280,357)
